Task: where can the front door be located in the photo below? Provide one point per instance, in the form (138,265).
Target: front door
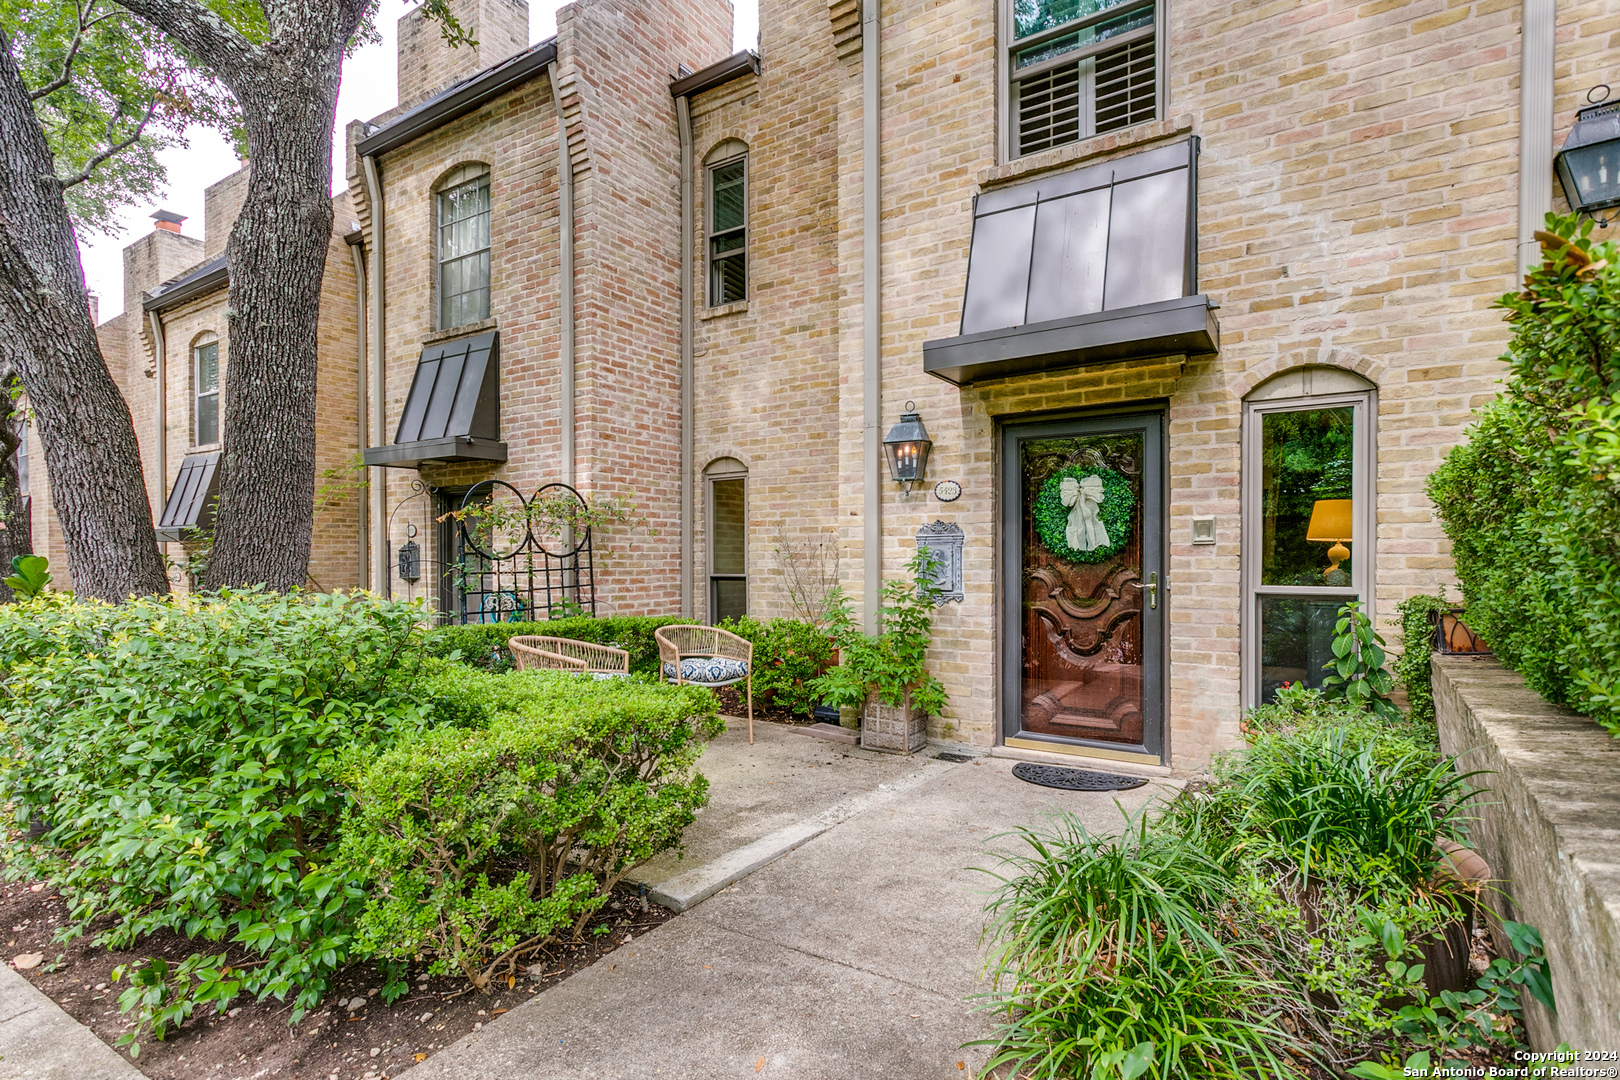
(1084,585)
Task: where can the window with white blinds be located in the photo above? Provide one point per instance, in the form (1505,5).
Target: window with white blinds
(1078,68)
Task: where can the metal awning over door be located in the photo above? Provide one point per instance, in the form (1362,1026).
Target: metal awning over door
(1090,266)
(452,412)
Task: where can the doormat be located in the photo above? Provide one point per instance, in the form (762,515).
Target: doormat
(1056,776)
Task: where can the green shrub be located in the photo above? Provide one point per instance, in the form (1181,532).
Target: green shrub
(478,846)
(1532,500)
(1110,960)
(1413,669)
(1356,672)
(483,645)
(893,662)
(788,655)
(183,753)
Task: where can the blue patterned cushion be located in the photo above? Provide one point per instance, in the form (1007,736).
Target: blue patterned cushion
(708,669)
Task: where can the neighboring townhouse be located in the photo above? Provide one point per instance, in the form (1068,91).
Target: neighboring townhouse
(168,351)
(1190,297)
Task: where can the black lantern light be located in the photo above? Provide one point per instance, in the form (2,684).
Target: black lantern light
(410,557)
(907,446)
(1589,164)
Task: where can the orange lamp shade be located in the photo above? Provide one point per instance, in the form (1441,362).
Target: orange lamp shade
(1331,521)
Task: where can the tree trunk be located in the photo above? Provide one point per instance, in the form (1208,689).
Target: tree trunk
(14,536)
(287,89)
(82,421)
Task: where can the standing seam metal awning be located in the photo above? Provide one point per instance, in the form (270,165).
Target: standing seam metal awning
(190,505)
(452,412)
(1089,266)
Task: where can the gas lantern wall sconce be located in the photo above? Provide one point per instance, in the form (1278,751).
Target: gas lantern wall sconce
(1588,166)
(907,446)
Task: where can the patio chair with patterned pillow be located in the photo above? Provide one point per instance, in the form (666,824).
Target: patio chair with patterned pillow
(707,656)
(532,653)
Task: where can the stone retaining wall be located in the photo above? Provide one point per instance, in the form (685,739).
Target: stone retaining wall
(1550,828)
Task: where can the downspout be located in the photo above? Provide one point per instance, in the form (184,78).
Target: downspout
(160,459)
(357,252)
(683,121)
(565,258)
(381,578)
(1538,19)
(871,309)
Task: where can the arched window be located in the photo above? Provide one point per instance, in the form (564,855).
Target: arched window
(727,481)
(1308,521)
(727,167)
(463,241)
(205,391)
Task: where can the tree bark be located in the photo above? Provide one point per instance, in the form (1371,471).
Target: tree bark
(287,89)
(82,421)
(14,537)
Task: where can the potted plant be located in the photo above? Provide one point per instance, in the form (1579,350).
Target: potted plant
(883,674)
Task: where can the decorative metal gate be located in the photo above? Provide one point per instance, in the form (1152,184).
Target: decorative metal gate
(494,555)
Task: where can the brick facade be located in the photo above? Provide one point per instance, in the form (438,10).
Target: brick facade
(1356,210)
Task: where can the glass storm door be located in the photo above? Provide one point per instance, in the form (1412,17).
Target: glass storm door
(1085,588)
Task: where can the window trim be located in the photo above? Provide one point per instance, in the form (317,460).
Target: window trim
(1006,142)
(717,470)
(462,175)
(1364,543)
(709,235)
(201,342)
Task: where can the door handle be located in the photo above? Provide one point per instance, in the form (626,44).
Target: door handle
(1152,587)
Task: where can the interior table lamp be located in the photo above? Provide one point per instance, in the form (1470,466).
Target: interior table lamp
(1331,523)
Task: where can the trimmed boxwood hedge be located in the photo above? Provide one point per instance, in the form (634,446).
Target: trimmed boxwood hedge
(483,645)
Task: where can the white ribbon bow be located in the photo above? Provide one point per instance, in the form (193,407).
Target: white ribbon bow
(1085,531)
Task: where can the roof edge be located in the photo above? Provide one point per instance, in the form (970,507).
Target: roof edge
(459,100)
(205,279)
(732,67)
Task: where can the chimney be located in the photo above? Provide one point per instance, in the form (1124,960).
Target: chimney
(427,64)
(168,220)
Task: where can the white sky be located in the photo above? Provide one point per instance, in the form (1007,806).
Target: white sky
(369,88)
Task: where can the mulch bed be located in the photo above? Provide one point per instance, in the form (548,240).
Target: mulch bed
(253,1040)
(732,703)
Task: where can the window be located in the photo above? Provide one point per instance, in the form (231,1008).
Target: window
(1307,522)
(728,539)
(464,247)
(728,224)
(1077,68)
(205,391)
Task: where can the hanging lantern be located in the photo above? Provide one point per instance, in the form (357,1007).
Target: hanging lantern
(907,446)
(410,562)
(1588,166)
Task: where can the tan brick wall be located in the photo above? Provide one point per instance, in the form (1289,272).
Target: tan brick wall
(427,64)
(615,61)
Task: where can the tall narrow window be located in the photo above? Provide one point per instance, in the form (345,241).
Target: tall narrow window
(728,539)
(728,231)
(464,247)
(205,391)
(1078,68)
(1307,524)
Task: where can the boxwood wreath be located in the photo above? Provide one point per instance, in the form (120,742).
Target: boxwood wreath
(1052,517)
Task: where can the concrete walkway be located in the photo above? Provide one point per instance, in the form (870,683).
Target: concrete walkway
(38,1041)
(847,956)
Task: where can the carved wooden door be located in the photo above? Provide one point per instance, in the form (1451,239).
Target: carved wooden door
(1090,589)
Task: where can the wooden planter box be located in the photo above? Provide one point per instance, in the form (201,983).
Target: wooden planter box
(893,729)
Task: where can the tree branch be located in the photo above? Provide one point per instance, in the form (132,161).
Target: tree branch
(218,44)
(112,148)
(73,51)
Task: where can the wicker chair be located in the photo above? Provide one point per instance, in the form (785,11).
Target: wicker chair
(565,654)
(678,643)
